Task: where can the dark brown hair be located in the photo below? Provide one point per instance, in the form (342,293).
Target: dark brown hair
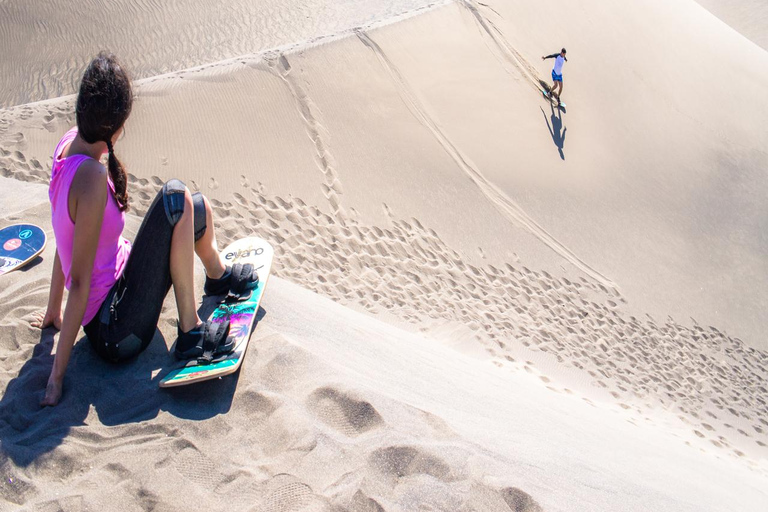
(103,104)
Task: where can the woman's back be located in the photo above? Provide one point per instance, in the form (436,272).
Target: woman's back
(113,249)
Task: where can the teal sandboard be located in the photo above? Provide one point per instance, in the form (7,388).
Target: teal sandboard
(241,316)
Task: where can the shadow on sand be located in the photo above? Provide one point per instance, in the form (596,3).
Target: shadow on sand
(558,137)
(32,264)
(119,394)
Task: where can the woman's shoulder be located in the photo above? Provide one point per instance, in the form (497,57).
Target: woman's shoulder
(91,170)
(90,179)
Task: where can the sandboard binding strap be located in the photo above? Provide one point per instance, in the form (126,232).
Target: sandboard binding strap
(211,340)
(244,280)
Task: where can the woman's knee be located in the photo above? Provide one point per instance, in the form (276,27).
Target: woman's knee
(176,200)
(180,202)
(202,212)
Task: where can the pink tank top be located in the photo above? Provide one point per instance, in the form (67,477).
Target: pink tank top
(112,252)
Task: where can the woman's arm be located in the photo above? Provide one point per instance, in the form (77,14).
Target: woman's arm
(52,316)
(89,190)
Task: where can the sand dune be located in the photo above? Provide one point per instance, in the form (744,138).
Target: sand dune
(344,414)
(474,295)
(748,17)
(48,44)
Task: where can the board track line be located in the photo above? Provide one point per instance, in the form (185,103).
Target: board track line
(495,195)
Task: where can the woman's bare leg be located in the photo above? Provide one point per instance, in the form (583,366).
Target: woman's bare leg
(207,249)
(183,266)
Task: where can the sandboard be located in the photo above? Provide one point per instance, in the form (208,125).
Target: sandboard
(553,100)
(241,316)
(20,244)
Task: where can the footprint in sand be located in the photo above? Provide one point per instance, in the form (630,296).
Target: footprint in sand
(15,489)
(402,461)
(363,503)
(256,405)
(482,497)
(197,467)
(285,493)
(343,412)
(519,500)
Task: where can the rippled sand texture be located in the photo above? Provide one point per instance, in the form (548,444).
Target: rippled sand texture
(678,167)
(513,324)
(47,45)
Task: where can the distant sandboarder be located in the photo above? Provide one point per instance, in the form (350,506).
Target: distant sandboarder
(556,91)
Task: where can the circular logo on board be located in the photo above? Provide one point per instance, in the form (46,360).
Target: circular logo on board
(12,244)
(24,234)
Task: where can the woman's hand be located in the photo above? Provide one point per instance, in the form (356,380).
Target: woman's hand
(52,391)
(44,320)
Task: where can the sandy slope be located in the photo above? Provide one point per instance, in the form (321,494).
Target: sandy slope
(652,181)
(47,44)
(748,17)
(334,410)
(413,172)
(659,183)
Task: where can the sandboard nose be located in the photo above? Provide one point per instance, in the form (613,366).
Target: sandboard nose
(19,245)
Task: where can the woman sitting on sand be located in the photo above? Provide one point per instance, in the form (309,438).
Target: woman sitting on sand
(116,291)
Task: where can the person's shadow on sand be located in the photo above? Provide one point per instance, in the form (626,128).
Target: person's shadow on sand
(554,129)
(124,393)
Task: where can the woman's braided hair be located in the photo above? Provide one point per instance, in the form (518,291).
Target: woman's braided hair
(103,104)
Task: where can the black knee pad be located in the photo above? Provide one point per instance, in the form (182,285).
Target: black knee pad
(173,200)
(200,224)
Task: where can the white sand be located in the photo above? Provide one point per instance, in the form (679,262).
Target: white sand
(498,334)
(748,17)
